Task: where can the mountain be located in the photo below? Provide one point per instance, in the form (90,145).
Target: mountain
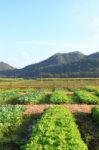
(62,58)
(94,55)
(5,66)
(73,64)
(57,59)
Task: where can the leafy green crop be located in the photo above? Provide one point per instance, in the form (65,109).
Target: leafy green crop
(59,96)
(83,96)
(97,92)
(37,96)
(56,130)
(8,96)
(10,118)
(90,89)
(95,114)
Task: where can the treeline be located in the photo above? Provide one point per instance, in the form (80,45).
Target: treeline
(69,75)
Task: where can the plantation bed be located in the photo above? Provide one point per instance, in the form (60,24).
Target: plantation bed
(82,112)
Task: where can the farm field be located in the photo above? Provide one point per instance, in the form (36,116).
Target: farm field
(49,117)
(49,83)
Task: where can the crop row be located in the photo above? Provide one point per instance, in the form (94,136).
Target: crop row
(8,96)
(10,119)
(58,96)
(35,97)
(95,90)
(39,96)
(56,130)
(82,96)
(95,114)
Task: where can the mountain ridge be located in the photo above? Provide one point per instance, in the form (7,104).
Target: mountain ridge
(5,66)
(73,64)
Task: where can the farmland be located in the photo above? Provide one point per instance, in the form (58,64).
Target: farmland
(49,114)
(47,82)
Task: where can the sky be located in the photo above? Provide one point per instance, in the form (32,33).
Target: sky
(33,30)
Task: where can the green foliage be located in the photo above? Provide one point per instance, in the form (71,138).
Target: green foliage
(74,89)
(27,90)
(56,130)
(8,96)
(59,97)
(10,118)
(97,92)
(37,96)
(83,96)
(90,89)
(95,114)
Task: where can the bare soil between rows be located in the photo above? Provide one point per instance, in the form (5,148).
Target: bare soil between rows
(74,108)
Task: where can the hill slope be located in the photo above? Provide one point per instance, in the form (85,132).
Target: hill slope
(5,66)
(74,64)
(57,59)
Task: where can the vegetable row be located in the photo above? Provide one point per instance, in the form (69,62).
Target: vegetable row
(56,130)
(58,96)
(10,119)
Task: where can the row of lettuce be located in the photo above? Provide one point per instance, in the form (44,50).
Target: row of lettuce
(57,96)
(56,129)
(11,119)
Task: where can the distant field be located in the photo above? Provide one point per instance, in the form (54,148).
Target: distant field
(50,83)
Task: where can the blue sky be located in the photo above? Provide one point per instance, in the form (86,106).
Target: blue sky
(32,30)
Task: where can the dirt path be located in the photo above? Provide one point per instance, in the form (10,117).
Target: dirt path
(74,108)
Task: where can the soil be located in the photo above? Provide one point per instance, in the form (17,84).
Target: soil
(74,108)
